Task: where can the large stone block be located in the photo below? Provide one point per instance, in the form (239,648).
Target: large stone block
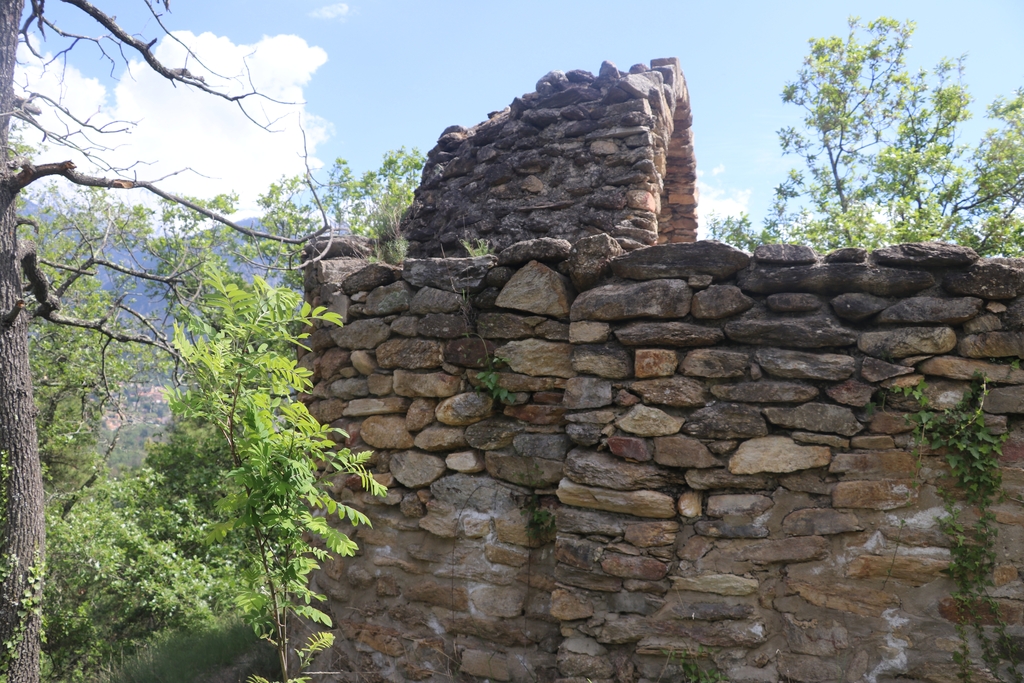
(715,363)
(410,354)
(907,341)
(414,469)
(386,431)
(452,274)
(656,299)
(668,334)
(536,357)
(607,360)
(537,289)
(361,334)
(874,495)
(815,417)
(598,468)
(705,257)
(464,409)
(636,503)
(836,278)
(726,421)
(680,392)
(720,301)
(804,333)
(646,421)
(930,309)
(429,385)
(777,454)
(803,365)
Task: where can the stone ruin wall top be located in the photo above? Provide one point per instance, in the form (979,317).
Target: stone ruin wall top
(581,155)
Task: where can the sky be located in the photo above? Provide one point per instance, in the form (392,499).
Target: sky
(356,79)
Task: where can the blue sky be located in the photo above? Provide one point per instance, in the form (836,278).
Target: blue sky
(379,74)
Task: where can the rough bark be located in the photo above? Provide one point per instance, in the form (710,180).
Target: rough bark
(22,539)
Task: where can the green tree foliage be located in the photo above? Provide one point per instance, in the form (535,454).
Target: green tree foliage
(245,387)
(883,160)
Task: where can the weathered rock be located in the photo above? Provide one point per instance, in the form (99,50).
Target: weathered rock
(986,322)
(452,275)
(821,439)
(992,345)
(361,407)
(925,255)
(480,493)
(420,414)
(630,448)
(802,365)
(738,504)
(550,446)
(720,301)
(857,307)
(765,392)
(502,326)
(537,414)
(415,470)
(361,334)
(540,249)
(636,503)
(719,584)
(465,461)
(816,417)
(873,442)
(805,333)
(588,332)
(965,369)
(386,431)
(874,370)
(655,363)
(855,598)
(706,257)
(440,439)
(590,260)
(930,309)
(715,363)
(470,352)
(584,434)
(785,254)
(434,384)
(645,421)
(668,334)
(430,300)
(364,361)
(443,325)
(680,392)
(820,522)
(986,280)
(537,289)
(889,464)
(790,550)
(702,480)
(656,299)
(597,468)
(793,303)
(410,354)
(485,664)
(907,341)
(777,454)
(346,389)
(628,567)
(389,299)
(587,392)
(726,421)
(536,357)
(369,277)
(682,451)
(493,433)
(1004,400)
(851,393)
(464,409)
(531,472)
(434,593)
(874,495)
(808,669)
(608,360)
(835,278)
(652,534)
(689,504)
(568,606)
(915,571)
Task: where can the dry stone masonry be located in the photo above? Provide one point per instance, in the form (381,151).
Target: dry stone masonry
(700,448)
(582,155)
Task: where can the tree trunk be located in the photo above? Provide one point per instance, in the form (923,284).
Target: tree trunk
(22,539)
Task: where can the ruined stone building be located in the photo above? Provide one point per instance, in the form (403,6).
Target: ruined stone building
(610,447)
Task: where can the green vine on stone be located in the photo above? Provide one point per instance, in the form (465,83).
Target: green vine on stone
(972,452)
(490,379)
(540,522)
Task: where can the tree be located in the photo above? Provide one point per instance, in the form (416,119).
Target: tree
(883,161)
(278,454)
(22,537)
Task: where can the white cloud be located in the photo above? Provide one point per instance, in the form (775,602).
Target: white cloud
(336,11)
(176,127)
(718,169)
(720,201)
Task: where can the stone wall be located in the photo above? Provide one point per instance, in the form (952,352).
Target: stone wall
(711,434)
(584,154)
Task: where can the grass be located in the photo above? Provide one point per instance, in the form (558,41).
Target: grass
(227,653)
